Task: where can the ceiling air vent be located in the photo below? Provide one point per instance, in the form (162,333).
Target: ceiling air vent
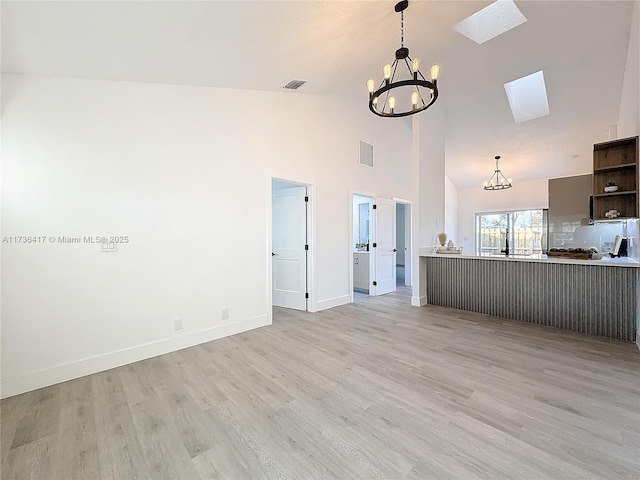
(366,154)
(294,84)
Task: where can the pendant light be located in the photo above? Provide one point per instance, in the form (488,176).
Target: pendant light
(397,97)
(498,181)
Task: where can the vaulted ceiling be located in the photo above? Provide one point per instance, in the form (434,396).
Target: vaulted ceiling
(336,46)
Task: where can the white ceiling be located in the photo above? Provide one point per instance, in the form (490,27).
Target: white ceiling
(336,46)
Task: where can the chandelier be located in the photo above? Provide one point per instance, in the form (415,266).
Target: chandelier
(498,181)
(399,98)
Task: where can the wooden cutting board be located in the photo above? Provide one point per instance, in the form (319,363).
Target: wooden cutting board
(574,255)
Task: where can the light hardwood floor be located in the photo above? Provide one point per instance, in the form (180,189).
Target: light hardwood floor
(372,390)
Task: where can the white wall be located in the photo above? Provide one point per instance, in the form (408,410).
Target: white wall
(629,118)
(451,210)
(524,195)
(400,233)
(427,182)
(432,131)
(185,173)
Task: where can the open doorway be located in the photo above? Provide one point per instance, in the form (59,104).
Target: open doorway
(290,245)
(403,244)
(374,245)
(361,245)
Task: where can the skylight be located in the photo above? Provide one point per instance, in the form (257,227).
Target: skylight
(527,97)
(493,20)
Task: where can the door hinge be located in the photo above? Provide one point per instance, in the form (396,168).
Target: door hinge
(306,295)
(375,206)
(306,199)
(375,244)
(306,247)
(375,283)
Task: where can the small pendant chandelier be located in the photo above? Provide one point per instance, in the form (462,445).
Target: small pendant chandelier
(498,181)
(414,94)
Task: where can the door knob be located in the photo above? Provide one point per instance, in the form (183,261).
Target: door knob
(273,254)
(395,250)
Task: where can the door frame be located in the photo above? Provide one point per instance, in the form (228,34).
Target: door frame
(310,241)
(408,230)
(352,243)
(408,268)
(378,251)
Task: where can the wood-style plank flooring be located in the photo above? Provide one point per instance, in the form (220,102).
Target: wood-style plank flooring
(372,390)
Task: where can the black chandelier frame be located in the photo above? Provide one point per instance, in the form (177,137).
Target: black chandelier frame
(497,181)
(417,80)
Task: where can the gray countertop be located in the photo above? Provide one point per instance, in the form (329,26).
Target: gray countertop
(604,262)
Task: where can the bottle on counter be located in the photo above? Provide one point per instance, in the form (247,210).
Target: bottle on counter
(506,243)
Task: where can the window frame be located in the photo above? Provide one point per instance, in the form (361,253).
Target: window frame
(511,220)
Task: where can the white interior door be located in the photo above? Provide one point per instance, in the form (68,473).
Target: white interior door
(407,243)
(289,267)
(385,250)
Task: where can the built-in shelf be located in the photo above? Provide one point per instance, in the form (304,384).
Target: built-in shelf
(613,194)
(614,168)
(615,162)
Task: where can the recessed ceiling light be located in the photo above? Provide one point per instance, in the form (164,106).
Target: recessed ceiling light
(493,20)
(527,97)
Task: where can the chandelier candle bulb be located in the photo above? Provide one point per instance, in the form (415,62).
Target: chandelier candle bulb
(392,103)
(435,71)
(414,99)
(415,65)
(371,86)
(386,71)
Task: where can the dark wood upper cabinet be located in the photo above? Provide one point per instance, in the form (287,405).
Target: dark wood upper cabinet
(617,162)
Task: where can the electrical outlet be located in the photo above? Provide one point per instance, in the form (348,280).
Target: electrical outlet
(177,324)
(225,313)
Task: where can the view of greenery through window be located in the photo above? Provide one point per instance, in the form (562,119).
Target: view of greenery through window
(526,229)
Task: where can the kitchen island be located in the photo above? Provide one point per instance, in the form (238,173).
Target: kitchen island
(596,297)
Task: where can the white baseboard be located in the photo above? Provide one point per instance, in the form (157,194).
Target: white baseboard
(16,384)
(418,301)
(332,302)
